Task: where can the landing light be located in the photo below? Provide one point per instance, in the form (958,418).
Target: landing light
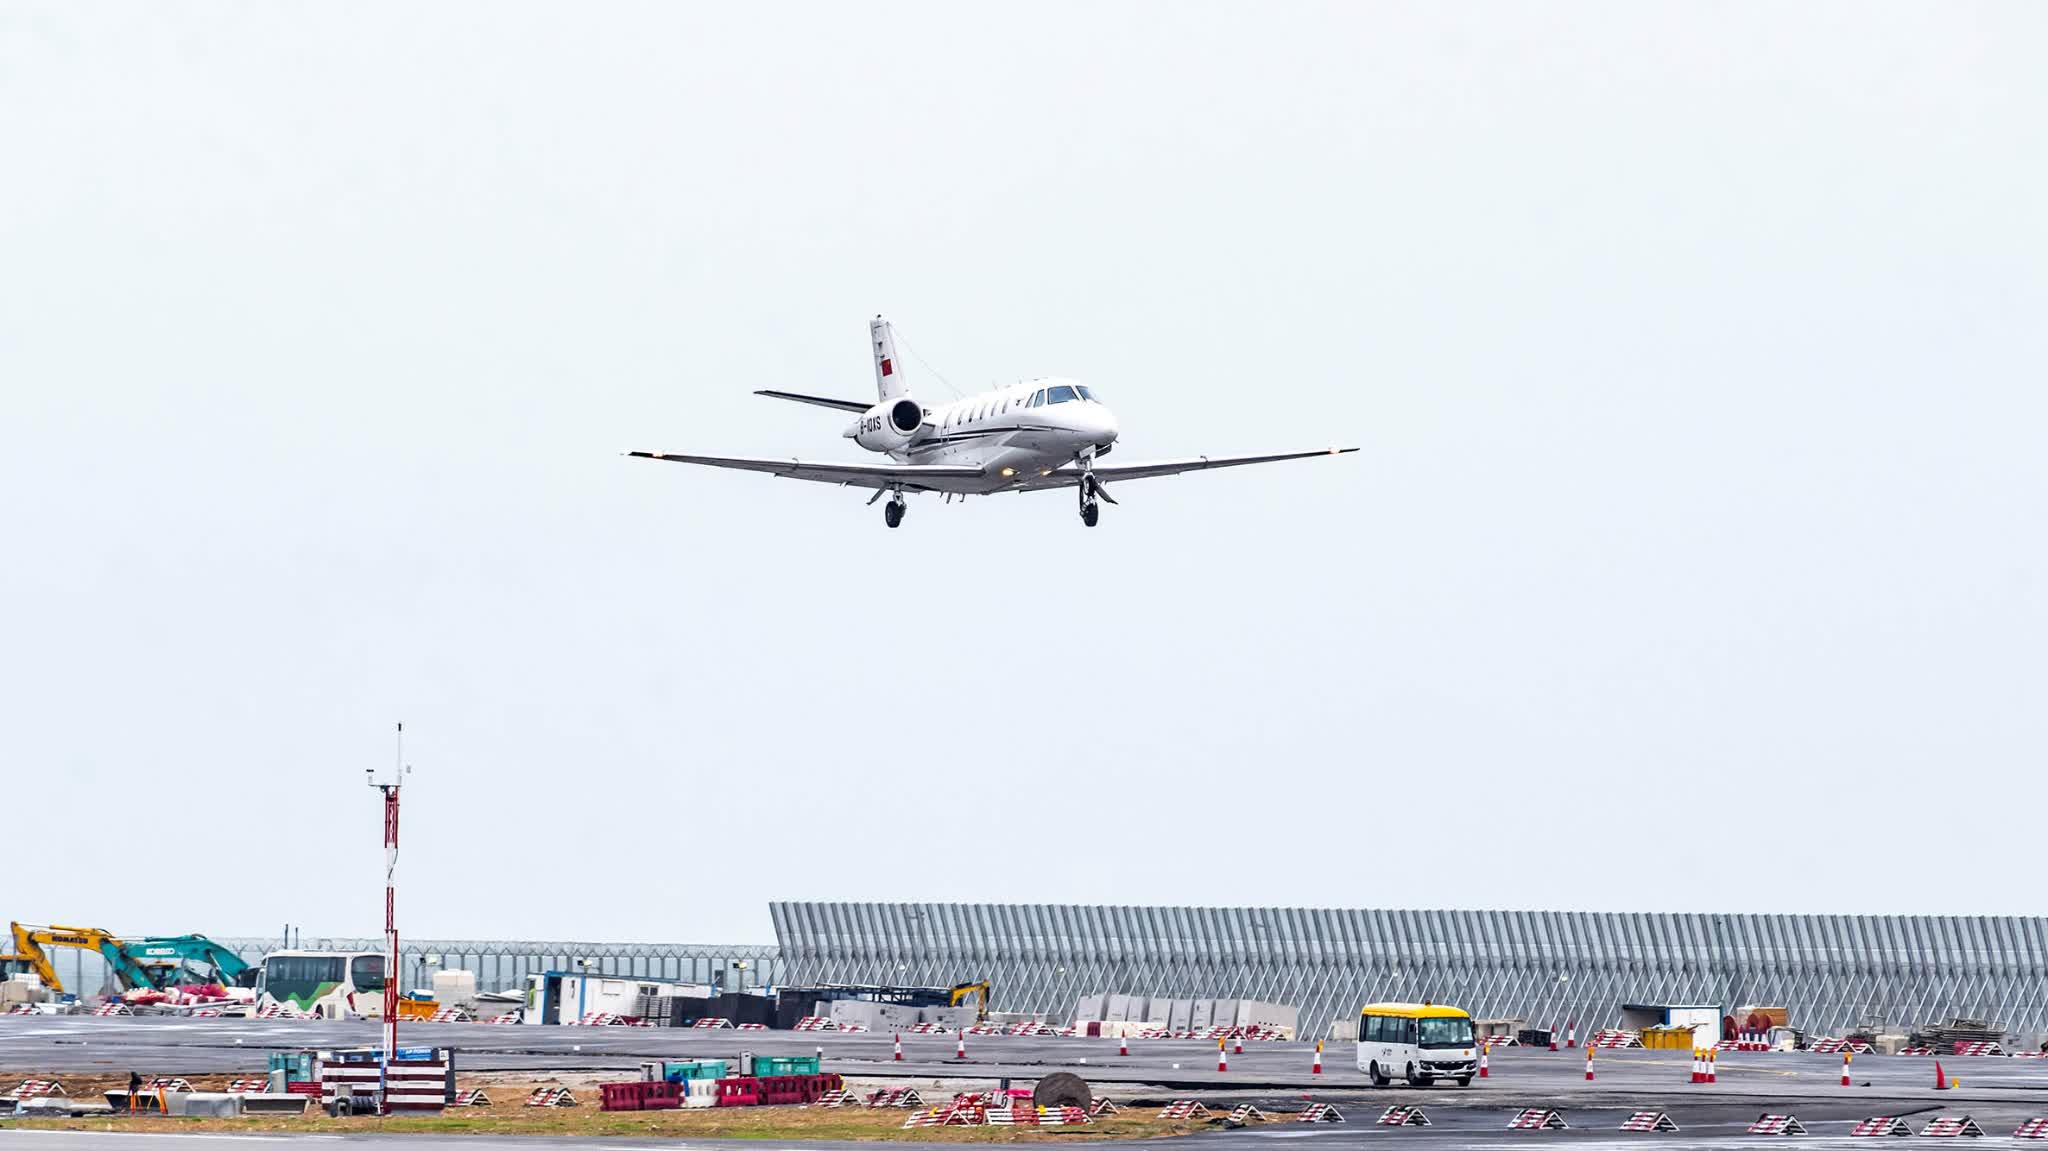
(1008,472)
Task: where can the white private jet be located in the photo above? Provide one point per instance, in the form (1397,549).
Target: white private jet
(1027,437)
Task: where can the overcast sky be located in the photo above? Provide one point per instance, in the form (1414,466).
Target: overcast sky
(1696,353)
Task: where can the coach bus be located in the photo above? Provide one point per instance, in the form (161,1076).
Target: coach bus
(329,984)
(1419,1042)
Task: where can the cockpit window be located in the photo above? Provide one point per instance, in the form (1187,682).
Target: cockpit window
(1086,394)
(1038,398)
(1059,395)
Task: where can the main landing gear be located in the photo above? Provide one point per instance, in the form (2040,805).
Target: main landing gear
(892,512)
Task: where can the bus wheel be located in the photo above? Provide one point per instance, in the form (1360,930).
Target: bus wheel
(1379,1078)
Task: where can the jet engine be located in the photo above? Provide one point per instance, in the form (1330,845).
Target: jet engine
(888,426)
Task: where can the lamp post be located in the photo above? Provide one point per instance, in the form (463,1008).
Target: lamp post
(393,974)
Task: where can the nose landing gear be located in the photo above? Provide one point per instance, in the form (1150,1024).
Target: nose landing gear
(1091,491)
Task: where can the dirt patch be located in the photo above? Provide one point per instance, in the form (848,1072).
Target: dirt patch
(507,1115)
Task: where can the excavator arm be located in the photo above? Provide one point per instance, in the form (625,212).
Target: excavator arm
(29,957)
(963,990)
(170,960)
(30,942)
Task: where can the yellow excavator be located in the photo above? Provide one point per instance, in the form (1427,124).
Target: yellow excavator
(29,955)
(963,990)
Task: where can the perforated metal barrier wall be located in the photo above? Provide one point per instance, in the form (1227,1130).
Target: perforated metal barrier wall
(1831,971)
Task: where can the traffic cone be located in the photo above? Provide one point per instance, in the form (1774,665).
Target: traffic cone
(1317,1067)
(1571,1034)
(1123,1045)
(1554,1029)
(1940,1084)
(1589,1063)
(1713,1066)
(1484,1048)
(1845,1068)
(899,1047)
(1237,1044)
(960,1049)
(1699,1073)
(1222,1057)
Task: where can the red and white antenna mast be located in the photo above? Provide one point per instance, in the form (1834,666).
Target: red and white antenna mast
(399,771)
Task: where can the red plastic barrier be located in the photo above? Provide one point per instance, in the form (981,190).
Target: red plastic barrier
(744,1091)
(622,1096)
(661,1095)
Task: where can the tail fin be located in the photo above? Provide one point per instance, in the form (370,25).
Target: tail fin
(888,373)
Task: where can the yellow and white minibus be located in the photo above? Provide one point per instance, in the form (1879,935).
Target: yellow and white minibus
(1418,1042)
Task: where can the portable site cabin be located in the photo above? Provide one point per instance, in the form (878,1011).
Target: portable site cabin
(569,997)
(1673,1025)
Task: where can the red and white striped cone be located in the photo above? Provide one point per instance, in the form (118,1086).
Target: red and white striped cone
(1554,1029)
(1317,1067)
(1699,1071)
(1237,1044)
(1484,1048)
(1222,1057)
(1589,1062)
(1571,1034)
(1845,1068)
(960,1048)
(1713,1061)
(1123,1045)
(899,1047)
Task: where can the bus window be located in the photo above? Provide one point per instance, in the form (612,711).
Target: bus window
(300,979)
(1446,1033)
(1371,1031)
(367,972)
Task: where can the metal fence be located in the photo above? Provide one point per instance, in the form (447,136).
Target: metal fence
(503,965)
(1831,971)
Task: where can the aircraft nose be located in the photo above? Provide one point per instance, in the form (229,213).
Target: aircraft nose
(1108,429)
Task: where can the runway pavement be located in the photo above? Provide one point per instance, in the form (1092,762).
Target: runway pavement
(1998,1092)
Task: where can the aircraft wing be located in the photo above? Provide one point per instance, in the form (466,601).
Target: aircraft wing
(1068,475)
(821,401)
(909,476)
